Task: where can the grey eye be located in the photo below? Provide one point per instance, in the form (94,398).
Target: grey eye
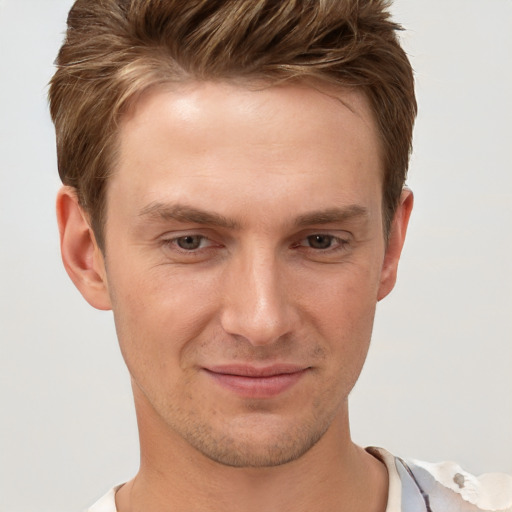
(320,241)
(189,242)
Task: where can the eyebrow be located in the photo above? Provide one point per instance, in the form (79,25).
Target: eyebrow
(184,213)
(332,215)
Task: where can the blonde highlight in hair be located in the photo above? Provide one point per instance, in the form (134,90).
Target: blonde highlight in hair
(116,49)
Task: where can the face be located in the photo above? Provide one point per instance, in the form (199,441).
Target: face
(244,258)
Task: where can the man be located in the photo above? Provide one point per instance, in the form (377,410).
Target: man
(234,191)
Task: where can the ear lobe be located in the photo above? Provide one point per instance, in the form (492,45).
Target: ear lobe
(81,255)
(395,244)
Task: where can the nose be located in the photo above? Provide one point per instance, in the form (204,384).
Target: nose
(256,304)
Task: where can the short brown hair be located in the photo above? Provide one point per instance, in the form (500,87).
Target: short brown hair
(116,49)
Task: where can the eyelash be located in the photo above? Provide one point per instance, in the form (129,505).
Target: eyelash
(172,243)
(337,244)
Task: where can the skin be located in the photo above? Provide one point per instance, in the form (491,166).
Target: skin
(244,227)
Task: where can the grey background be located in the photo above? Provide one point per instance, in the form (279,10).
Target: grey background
(437,384)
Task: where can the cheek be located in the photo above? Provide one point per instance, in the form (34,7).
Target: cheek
(158,313)
(342,310)
(344,295)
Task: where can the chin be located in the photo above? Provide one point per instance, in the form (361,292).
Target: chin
(262,445)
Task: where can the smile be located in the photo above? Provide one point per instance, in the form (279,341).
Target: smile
(252,382)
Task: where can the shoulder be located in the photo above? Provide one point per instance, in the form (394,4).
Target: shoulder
(107,503)
(445,486)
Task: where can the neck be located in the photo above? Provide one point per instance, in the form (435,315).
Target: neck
(334,475)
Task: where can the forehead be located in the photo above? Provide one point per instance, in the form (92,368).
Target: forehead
(222,144)
(206,105)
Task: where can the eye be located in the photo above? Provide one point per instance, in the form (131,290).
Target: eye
(190,242)
(323,245)
(321,241)
(191,247)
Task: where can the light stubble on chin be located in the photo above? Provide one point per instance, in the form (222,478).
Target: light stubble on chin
(244,451)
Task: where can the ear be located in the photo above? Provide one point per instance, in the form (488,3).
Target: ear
(81,255)
(395,243)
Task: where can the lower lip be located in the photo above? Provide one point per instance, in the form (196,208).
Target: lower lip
(257,387)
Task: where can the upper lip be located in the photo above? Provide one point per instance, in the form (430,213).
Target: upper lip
(246,370)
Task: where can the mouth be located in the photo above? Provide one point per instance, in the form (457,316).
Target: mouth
(257,382)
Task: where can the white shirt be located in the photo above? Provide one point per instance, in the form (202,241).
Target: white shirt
(416,486)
